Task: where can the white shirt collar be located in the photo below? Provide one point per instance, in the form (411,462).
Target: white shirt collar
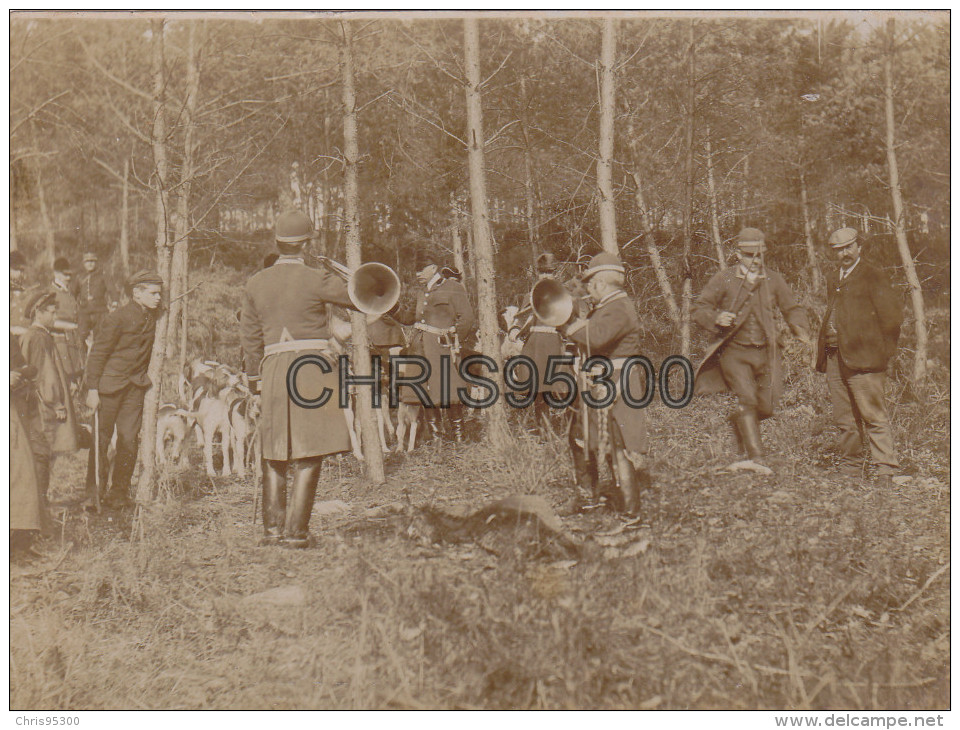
(434,280)
(289,259)
(844,273)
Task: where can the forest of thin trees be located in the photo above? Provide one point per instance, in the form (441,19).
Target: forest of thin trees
(173,141)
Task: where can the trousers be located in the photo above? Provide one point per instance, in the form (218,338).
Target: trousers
(859,410)
(124,411)
(746,371)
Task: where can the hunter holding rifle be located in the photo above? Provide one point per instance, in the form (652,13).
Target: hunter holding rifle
(617,431)
(737,307)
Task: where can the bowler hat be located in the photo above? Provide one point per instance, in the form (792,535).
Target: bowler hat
(36,299)
(293,226)
(842,237)
(546,262)
(751,240)
(61,264)
(603,262)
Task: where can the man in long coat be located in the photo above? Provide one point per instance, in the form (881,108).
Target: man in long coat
(611,330)
(858,337)
(284,320)
(444,323)
(52,386)
(26,435)
(737,307)
(66,329)
(116,377)
(92,296)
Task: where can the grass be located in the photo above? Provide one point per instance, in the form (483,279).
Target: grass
(796,591)
(803,590)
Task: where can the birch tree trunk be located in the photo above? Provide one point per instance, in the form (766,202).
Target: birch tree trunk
(471,255)
(899,226)
(528,183)
(456,243)
(608,58)
(714,216)
(178,270)
(497,431)
(687,290)
(529,193)
(816,279)
(369,434)
(650,243)
(49,237)
(148,432)
(125,221)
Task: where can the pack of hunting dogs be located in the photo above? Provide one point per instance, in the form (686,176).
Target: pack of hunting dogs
(571,353)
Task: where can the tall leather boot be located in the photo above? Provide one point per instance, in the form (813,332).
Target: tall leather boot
(587,475)
(734,420)
(456,423)
(750,432)
(629,489)
(296,532)
(274,501)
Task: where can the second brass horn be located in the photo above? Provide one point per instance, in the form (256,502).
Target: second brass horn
(551,303)
(374,288)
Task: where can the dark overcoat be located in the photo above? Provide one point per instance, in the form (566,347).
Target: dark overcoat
(868,315)
(613,330)
(122,345)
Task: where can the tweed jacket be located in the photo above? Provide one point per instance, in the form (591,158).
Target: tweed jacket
(727,291)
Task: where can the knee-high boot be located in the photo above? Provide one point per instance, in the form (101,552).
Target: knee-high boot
(734,420)
(629,484)
(274,500)
(750,432)
(586,470)
(296,531)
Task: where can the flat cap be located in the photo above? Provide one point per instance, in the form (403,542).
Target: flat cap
(90,256)
(145,276)
(603,262)
(751,240)
(61,264)
(842,237)
(293,226)
(39,298)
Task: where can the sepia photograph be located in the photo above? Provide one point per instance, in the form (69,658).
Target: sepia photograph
(488,360)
